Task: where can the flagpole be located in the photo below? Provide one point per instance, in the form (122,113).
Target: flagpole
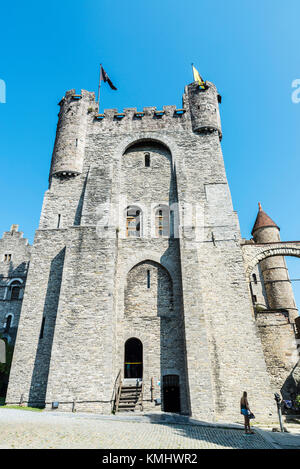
(98,100)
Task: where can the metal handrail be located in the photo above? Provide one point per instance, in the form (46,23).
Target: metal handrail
(117,386)
(141,397)
(118,394)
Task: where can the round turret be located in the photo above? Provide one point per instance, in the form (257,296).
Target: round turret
(204,107)
(276,279)
(265,229)
(68,153)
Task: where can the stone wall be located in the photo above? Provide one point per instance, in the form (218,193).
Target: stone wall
(278,340)
(82,353)
(30,365)
(257,288)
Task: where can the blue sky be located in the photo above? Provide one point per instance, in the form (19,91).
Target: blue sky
(250,50)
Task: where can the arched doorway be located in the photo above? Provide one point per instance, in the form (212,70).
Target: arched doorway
(133,366)
(171,393)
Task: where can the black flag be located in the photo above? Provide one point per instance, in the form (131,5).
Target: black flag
(105,78)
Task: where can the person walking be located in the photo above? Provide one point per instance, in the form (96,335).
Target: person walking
(245,410)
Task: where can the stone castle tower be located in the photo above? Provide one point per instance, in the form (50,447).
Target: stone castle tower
(277,316)
(137,271)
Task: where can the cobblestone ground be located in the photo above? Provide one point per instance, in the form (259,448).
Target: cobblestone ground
(26,429)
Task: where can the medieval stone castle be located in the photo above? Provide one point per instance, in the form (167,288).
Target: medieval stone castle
(138,292)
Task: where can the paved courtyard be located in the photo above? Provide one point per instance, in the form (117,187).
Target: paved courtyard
(26,429)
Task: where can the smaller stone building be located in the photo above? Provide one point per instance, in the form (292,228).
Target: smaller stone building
(14,262)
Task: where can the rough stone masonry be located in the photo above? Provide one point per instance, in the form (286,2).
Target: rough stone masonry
(138,269)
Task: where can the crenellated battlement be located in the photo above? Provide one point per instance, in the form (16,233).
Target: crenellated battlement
(71,95)
(14,233)
(199,110)
(133,113)
(78,111)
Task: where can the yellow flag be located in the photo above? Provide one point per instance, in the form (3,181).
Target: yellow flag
(198,78)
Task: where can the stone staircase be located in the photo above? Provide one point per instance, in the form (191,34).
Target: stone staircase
(129,396)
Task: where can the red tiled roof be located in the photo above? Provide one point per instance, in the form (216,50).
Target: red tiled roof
(262,220)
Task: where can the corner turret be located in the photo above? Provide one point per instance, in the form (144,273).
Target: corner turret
(275,275)
(204,107)
(68,153)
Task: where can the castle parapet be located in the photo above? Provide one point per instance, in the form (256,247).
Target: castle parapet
(199,112)
(149,114)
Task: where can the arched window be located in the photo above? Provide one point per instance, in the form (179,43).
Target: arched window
(147,160)
(8,323)
(133,363)
(133,222)
(15,289)
(162,221)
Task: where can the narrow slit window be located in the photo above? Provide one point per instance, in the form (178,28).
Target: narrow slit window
(58,221)
(8,323)
(254,278)
(147,160)
(148,278)
(42,328)
(171,224)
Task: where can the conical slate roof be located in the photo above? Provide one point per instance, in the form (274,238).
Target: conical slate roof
(262,220)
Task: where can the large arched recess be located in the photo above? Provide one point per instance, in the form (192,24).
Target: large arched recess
(148,291)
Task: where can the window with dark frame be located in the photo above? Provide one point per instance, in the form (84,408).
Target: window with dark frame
(8,323)
(15,288)
(133,224)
